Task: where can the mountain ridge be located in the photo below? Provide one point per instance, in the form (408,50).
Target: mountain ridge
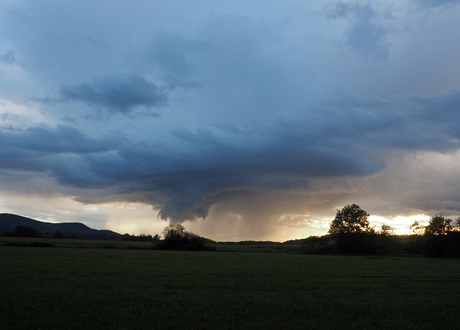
(8,223)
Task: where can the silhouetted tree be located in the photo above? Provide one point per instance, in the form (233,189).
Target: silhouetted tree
(386,230)
(437,242)
(439,225)
(416,228)
(350,219)
(351,231)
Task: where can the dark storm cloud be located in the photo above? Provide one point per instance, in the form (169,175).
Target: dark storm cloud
(348,137)
(62,139)
(186,176)
(43,148)
(254,126)
(409,122)
(117,92)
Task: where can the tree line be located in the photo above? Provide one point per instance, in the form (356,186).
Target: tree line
(32,232)
(26,231)
(351,233)
(175,237)
(140,238)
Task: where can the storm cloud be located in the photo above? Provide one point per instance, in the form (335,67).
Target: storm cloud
(117,92)
(236,119)
(348,137)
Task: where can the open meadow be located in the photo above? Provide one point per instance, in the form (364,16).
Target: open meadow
(76,288)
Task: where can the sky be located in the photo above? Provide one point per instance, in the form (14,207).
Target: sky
(241,120)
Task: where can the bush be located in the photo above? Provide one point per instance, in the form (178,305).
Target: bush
(176,238)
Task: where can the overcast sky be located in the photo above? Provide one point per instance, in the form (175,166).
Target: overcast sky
(240,119)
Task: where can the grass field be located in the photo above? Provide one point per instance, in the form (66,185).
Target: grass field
(75,243)
(69,288)
(117,244)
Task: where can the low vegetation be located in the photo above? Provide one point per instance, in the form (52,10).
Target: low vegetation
(175,237)
(74,243)
(51,283)
(61,288)
(350,233)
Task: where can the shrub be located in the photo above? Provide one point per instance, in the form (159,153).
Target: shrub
(176,238)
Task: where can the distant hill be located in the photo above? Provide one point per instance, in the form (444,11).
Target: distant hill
(8,222)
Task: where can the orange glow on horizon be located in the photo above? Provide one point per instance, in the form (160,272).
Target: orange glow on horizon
(399,224)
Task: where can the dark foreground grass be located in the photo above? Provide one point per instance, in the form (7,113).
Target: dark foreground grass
(62,288)
(73,243)
(117,244)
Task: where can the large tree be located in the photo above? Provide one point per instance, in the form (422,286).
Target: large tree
(351,231)
(350,219)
